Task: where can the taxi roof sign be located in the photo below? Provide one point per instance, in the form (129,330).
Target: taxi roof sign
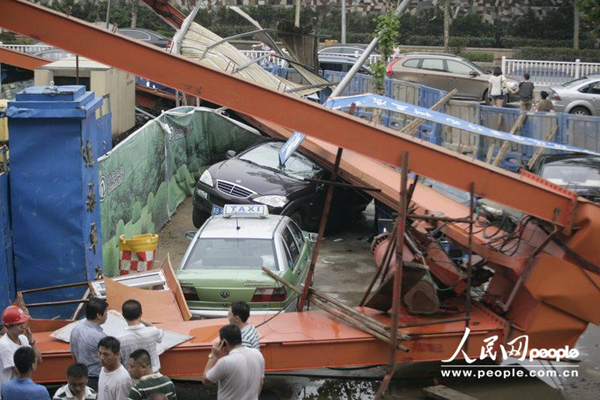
(245,210)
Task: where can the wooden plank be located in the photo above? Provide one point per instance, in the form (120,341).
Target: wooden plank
(445,393)
(513,131)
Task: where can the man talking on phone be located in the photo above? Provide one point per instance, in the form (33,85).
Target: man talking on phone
(238,370)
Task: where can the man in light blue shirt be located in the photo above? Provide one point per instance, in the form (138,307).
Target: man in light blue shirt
(85,337)
(23,387)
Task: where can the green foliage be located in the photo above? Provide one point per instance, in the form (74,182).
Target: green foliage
(7,37)
(591,13)
(387,29)
(160,202)
(557,54)
(150,202)
(136,212)
(120,230)
(478,56)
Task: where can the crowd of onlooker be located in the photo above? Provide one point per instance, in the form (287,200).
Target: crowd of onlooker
(127,366)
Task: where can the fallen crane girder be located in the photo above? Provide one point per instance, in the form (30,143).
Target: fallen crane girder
(230,91)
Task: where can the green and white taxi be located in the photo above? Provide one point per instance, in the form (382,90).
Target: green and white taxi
(225,258)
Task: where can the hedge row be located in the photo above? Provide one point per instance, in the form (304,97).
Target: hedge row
(557,54)
(508,42)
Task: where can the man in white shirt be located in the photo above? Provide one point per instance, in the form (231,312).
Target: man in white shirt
(139,334)
(17,335)
(238,370)
(114,382)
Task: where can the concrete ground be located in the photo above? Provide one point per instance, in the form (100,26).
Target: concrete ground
(344,270)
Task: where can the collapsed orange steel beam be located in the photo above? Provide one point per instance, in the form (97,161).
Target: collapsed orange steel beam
(291,112)
(21,60)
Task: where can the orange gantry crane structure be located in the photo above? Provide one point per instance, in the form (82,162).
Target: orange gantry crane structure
(545,281)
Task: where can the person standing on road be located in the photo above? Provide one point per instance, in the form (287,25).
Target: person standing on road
(496,87)
(544,105)
(23,388)
(525,91)
(238,315)
(76,387)
(17,335)
(139,334)
(148,382)
(85,338)
(114,382)
(238,370)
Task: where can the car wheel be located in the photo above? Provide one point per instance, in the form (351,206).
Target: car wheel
(487,99)
(199,217)
(580,111)
(297,218)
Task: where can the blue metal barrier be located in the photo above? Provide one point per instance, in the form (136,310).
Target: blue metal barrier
(7,272)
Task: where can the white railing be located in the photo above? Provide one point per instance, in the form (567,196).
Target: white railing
(548,73)
(27,48)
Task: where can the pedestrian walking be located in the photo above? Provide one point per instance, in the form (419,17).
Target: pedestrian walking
(76,387)
(497,87)
(17,335)
(22,387)
(544,104)
(139,334)
(238,315)
(238,370)
(525,92)
(85,338)
(148,382)
(114,382)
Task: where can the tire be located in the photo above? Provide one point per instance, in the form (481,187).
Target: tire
(580,110)
(199,217)
(297,218)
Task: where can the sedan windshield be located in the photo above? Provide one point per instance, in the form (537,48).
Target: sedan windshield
(267,155)
(232,254)
(572,175)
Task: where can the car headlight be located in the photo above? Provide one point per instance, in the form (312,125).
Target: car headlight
(273,201)
(206,178)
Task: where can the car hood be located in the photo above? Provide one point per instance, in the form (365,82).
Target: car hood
(258,179)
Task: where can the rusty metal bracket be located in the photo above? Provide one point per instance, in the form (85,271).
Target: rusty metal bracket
(93,237)
(91,198)
(88,153)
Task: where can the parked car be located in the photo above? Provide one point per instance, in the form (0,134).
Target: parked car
(343,50)
(445,72)
(224,260)
(255,176)
(328,62)
(579,173)
(580,96)
(146,35)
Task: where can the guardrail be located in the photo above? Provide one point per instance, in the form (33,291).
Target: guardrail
(547,73)
(272,61)
(27,48)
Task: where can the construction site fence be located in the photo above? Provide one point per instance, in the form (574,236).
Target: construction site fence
(145,178)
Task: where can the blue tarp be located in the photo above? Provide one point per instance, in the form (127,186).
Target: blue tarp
(375,101)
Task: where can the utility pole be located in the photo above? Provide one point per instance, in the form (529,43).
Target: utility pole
(447,18)
(297,16)
(108,15)
(575,26)
(133,13)
(343,21)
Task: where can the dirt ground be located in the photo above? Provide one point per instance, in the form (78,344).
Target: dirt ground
(343,271)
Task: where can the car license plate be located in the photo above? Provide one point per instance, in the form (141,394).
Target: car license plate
(216,210)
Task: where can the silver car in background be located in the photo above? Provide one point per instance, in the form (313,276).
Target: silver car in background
(580,96)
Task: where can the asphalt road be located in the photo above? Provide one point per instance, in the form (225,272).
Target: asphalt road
(344,269)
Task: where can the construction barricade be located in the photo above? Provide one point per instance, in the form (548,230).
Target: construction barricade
(137,254)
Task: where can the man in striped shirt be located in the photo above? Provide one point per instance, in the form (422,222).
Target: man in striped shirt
(238,314)
(148,383)
(76,387)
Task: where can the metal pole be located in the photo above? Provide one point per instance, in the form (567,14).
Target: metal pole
(343,21)
(470,258)
(108,15)
(400,228)
(364,56)
(297,14)
(315,255)
(77,70)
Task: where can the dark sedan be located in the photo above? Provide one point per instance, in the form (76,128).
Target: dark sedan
(255,176)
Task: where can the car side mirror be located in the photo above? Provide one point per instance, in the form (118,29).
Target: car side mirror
(189,235)
(230,153)
(473,73)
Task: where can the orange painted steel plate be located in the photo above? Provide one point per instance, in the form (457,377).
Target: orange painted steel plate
(287,110)
(21,60)
(305,340)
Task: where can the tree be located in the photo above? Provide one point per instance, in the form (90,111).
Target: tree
(388,25)
(447,21)
(591,12)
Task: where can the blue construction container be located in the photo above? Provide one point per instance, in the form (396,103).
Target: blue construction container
(54,193)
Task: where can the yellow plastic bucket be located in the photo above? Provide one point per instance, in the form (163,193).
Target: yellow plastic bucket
(137,254)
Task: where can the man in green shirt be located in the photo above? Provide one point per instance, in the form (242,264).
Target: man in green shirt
(149,383)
